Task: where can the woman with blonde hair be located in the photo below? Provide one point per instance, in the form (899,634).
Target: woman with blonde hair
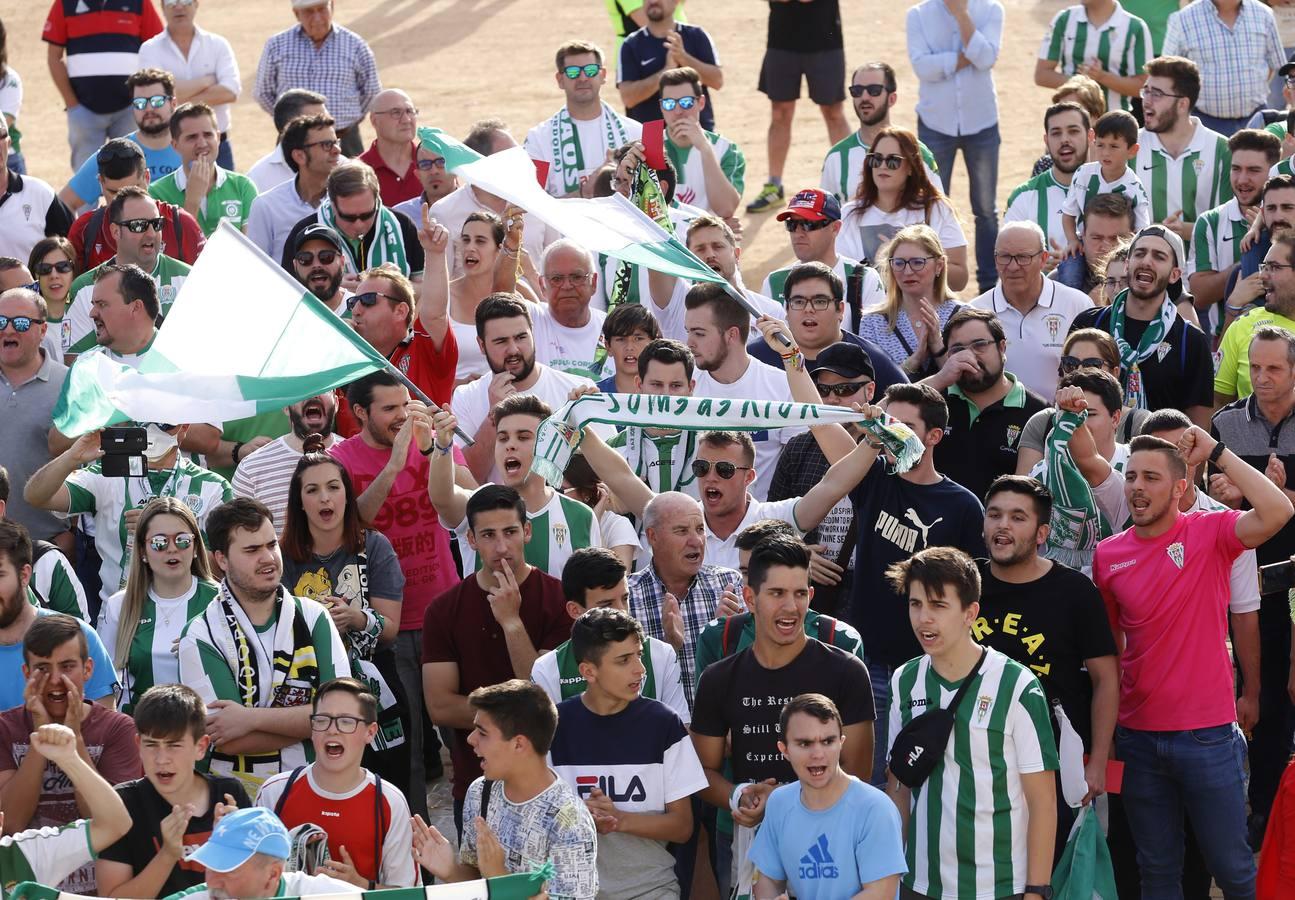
(907,325)
(895,192)
(170,581)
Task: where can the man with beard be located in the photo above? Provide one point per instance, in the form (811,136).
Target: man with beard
(874,91)
(568,334)
(1277,211)
(395,122)
(317,263)
(265,473)
(1067,133)
(257,654)
(988,406)
(1233,378)
(1164,362)
(311,150)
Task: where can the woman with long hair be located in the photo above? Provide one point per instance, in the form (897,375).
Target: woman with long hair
(894,192)
(170,581)
(329,556)
(53,263)
(909,322)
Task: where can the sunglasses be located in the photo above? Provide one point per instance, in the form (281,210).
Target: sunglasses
(669,103)
(157,101)
(1071,363)
(21,324)
(355,217)
(589,71)
(892,162)
(308,257)
(872,90)
(63,265)
(841,390)
(425,164)
(159,542)
(793,225)
(724,469)
(139,226)
(369,299)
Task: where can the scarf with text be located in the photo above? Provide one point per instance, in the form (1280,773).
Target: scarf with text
(568,155)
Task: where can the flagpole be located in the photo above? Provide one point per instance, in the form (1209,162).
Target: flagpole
(418,392)
(755,313)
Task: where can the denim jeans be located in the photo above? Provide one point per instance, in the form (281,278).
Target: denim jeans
(225,156)
(17,163)
(980,152)
(1200,772)
(1072,272)
(880,674)
(87,131)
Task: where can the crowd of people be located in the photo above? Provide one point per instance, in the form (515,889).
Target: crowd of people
(782,661)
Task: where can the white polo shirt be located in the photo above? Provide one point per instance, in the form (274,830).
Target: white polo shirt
(24,214)
(209,54)
(1034,340)
(274,214)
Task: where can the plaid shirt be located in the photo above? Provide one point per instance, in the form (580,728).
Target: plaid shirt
(343,70)
(1236,63)
(647,596)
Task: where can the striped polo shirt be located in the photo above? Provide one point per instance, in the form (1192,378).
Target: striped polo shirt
(1040,200)
(102,40)
(1122,44)
(1193,182)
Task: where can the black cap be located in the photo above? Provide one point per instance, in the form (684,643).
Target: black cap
(1288,68)
(318,232)
(844,359)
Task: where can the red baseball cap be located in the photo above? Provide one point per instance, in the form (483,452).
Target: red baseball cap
(812,205)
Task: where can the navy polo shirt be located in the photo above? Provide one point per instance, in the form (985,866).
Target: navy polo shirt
(642,55)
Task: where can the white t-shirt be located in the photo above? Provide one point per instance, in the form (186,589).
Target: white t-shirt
(671,318)
(11,93)
(864,232)
(570,350)
(617,530)
(472,362)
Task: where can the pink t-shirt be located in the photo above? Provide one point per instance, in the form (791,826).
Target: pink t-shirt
(1169,597)
(409,521)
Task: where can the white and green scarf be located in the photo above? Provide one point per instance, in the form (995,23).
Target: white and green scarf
(1135,393)
(388,244)
(568,155)
(558,436)
(1077,524)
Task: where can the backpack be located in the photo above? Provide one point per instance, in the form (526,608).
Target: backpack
(826,630)
(378,832)
(93,227)
(39,549)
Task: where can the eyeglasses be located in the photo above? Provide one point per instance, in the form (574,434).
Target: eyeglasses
(425,164)
(139,226)
(21,324)
(872,90)
(308,257)
(1021,259)
(44,268)
(892,162)
(159,542)
(589,71)
(977,346)
(793,225)
(400,112)
(1071,363)
(369,299)
(820,302)
(345,724)
(669,103)
(912,263)
(157,101)
(724,469)
(841,390)
(1153,94)
(1268,268)
(355,217)
(1115,284)
(575,279)
(327,144)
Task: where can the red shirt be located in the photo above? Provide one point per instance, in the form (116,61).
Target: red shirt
(417,357)
(392,185)
(185,248)
(460,628)
(1276,879)
(107,42)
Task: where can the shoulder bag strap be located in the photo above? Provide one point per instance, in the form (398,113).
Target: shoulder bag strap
(283,798)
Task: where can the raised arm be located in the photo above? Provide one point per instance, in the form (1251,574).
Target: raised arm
(1270,508)
(450,500)
(434,290)
(47,489)
(109,819)
(615,472)
(840,479)
(833,439)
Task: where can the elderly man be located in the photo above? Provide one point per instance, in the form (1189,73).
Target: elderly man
(322,56)
(395,121)
(1108,219)
(568,334)
(1036,312)
(311,150)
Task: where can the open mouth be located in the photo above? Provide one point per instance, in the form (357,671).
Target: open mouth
(326,514)
(816,771)
(692,557)
(56,696)
(471,260)
(514,362)
(1139,503)
(313,412)
(9,343)
(1003,540)
(635,686)
(787,625)
(711,495)
(268,572)
(334,750)
(172,562)
(164,778)
(1144,277)
(928,637)
(512,465)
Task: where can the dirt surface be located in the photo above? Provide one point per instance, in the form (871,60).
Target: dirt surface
(462,60)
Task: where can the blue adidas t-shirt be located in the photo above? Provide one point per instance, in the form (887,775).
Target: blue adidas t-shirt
(101,683)
(85,183)
(829,854)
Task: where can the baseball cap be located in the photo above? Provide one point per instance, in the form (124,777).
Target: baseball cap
(813,206)
(239,835)
(1168,235)
(318,232)
(1288,68)
(844,359)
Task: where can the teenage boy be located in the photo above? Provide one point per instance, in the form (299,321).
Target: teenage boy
(367,819)
(997,769)
(33,793)
(594,578)
(829,834)
(531,817)
(48,855)
(172,808)
(626,331)
(628,757)
(1115,142)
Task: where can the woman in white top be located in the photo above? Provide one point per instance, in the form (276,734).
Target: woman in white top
(909,322)
(894,192)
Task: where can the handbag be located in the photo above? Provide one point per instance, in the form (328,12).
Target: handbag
(920,744)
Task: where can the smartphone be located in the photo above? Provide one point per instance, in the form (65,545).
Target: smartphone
(123,452)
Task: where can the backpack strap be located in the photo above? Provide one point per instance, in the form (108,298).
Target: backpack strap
(39,549)
(283,798)
(740,621)
(486,785)
(826,629)
(91,232)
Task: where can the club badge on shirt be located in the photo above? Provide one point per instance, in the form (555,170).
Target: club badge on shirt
(1013,434)
(1162,351)
(1175,551)
(983,703)
(560,534)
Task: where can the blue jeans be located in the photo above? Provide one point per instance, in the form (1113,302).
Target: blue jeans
(980,152)
(225,156)
(880,674)
(1072,272)
(1225,127)
(17,163)
(1200,772)
(87,131)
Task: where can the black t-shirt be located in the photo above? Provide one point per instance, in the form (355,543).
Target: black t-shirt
(738,696)
(1180,374)
(805,27)
(147,809)
(974,453)
(1050,625)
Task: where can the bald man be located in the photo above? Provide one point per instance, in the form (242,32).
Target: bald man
(395,121)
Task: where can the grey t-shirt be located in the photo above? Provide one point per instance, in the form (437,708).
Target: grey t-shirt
(25,411)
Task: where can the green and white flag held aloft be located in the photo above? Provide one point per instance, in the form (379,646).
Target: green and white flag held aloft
(558,436)
(242,338)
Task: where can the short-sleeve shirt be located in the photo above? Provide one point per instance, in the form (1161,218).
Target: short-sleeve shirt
(459,628)
(1088,182)
(85,181)
(101,684)
(44,855)
(864,231)
(230,198)
(1039,200)
(169,274)
(805,27)
(102,47)
(1035,338)
(559,528)
(691,172)
(981,444)
(180,235)
(643,54)
(1121,45)
(27,410)
(1192,182)
(1233,376)
(393,187)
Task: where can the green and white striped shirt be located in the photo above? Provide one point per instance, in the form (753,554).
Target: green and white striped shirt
(1039,200)
(663,461)
(843,167)
(1087,183)
(45,855)
(968,824)
(1283,168)
(79,327)
(558,529)
(1194,182)
(1216,239)
(559,674)
(1122,44)
(688,167)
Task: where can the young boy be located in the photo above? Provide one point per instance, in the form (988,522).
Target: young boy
(172,807)
(1115,142)
(626,331)
(531,816)
(369,837)
(628,757)
(829,834)
(594,578)
(49,855)
(998,768)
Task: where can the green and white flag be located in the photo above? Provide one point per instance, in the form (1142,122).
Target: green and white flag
(558,436)
(242,338)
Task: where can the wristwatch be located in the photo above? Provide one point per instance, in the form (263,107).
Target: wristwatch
(1217,452)
(1043,890)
